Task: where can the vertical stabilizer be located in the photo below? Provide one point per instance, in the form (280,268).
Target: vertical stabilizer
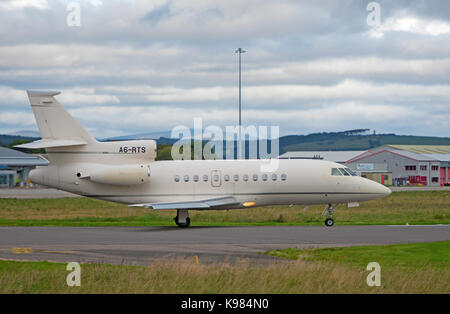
(53,121)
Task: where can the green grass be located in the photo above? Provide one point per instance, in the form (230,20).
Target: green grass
(414,255)
(411,268)
(412,207)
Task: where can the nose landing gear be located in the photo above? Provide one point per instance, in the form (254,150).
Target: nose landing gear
(328,211)
(182,219)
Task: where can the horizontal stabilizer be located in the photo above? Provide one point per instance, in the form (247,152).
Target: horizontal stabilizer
(197,204)
(48,143)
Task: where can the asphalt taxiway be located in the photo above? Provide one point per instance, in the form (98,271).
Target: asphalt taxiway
(141,245)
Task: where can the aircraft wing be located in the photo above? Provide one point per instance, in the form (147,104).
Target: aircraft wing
(196,204)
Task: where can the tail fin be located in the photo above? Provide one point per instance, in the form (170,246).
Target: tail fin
(56,125)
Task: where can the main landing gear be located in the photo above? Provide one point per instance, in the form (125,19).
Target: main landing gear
(328,211)
(182,219)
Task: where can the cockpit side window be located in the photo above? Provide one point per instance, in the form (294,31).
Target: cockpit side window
(342,172)
(335,172)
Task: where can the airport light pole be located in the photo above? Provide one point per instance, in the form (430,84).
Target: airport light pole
(240,51)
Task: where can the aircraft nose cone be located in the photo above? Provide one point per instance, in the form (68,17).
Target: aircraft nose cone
(374,188)
(386,191)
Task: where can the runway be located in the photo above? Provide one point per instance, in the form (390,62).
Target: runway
(141,245)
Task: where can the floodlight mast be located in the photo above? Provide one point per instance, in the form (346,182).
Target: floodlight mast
(240,51)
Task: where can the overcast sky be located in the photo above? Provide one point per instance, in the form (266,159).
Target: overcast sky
(310,66)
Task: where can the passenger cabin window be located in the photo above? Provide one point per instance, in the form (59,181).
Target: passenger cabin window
(226,178)
(274,177)
(245,177)
(186,178)
(255,177)
(264,177)
(236,177)
(205,177)
(195,178)
(177,178)
(283,177)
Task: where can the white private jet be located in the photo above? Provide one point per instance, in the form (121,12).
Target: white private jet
(127,172)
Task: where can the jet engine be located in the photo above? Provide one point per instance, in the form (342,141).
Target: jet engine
(120,175)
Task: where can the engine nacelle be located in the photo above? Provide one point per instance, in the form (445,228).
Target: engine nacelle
(121,175)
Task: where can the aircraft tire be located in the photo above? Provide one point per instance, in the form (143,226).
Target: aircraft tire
(329,222)
(183,225)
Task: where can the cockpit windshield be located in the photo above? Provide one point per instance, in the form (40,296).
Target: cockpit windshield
(342,172)
(335,172)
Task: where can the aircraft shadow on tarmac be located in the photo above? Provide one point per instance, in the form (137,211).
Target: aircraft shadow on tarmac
(175,228)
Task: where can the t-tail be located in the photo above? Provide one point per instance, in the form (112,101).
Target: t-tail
(56,126)
(77,159)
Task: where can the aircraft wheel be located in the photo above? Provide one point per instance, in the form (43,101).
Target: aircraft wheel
(183,225)
(329,222)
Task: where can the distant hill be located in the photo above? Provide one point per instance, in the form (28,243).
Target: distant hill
(329,141)
(26,133)
(6,140)
(164,135)
(343,141)
(346,140)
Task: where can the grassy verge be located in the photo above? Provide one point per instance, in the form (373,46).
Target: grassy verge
(323,271)
(411,256)
(418,207)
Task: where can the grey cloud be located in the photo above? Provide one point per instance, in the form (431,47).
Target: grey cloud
(301,56)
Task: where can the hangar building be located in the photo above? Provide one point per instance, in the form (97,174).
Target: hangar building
(408,164)
(15,167)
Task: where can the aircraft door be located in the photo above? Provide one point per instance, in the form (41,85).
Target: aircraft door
(216,178)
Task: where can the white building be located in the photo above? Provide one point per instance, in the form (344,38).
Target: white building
(15,166)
